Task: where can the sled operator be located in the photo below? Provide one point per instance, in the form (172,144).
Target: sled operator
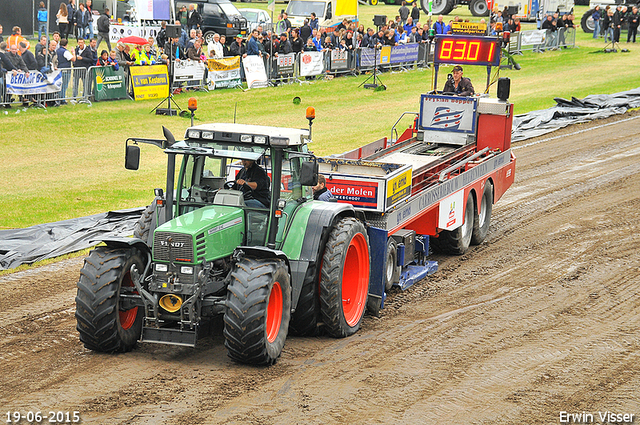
(459,85)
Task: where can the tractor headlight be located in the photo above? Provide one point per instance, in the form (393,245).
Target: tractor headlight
(207,135)
(186,270)
(260,140)
(161,267)
(193,134)
(246,138)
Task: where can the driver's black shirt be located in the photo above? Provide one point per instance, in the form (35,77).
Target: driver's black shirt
(255,174)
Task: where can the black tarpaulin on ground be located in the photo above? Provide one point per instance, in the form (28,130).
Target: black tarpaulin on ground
(25,246)
(574,111)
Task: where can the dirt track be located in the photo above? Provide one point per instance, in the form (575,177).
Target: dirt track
(543,317)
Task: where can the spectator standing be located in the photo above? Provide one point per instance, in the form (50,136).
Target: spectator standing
(103,29)
(192,38)
(84,60)
(404,12)
(225,48)
(81,20)
(238,48)
(65,59)
(252,44)
(182,18)
(16,37)
(28,57)
(313,22)
(285,46)
(184,37)
(305,31)
(71,8)
(173,49)
(439,26)
(42,20)
(42,45)
(93,46)
(194,52)
(194,19)
(607,24)
(89,7)
(317,41)
(632,18)
(47,60)
(286,22)
(596,21)
(409,25)
(215,48)
(618,19)
(296,42)
(415,12)
(161,38)
(17,61)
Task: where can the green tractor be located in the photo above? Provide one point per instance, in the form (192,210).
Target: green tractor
(199,251)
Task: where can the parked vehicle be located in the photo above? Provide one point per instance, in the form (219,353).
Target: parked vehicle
(257,17)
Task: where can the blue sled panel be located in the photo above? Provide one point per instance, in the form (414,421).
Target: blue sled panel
(413,274)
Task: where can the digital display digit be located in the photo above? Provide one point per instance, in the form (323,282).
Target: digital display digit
(467,50)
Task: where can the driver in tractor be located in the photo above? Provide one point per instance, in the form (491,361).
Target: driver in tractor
(458,85)
(254,183)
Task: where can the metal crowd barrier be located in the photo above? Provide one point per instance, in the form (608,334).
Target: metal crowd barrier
(542,40)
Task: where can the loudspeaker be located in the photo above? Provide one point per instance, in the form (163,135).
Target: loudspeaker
(173,31)
(379,20)
(504,88)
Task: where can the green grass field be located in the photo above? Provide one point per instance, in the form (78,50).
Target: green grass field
(68,162)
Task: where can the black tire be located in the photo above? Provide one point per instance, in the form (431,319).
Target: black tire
(146,224)
(587,23)
(482,218)
(305,319)
(479,8)
(344,278)
(456,241)
(439,7)
(258,311)
(391,268)
(105,275)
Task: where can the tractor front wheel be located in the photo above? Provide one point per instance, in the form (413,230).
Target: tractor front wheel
(344,278)
(258,311)
(104,322)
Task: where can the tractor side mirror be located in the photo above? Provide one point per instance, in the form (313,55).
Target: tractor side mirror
(309,173)
(132,157)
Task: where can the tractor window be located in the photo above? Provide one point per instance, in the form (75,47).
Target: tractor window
(290,183)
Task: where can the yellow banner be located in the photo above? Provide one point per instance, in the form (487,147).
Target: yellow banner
(398,187)
(346,7)
(385,55)
(468,28)
(150,82)
(224,64)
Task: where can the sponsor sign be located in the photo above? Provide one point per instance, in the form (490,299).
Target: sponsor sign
(448,113)
(108,83)
(469,28)
(149,82)
(34,83)
(359,193)
(118,31)
(451,209)
(285,64)
(311,63)
(398,187)
(530,37)
(224,73)
(187,70)
(404,53)
(339,59)
(385,55)
(254,72)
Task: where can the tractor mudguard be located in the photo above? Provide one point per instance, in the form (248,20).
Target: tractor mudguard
(305,252)
(126,243)
(263,252)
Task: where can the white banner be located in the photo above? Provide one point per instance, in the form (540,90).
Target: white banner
(188,70)
(311,63)
(224,73)
(528,38)
(34,83)
(450,211)
(254,72)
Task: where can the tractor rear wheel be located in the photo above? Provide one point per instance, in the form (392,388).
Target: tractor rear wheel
(304,320)
(482,218)
(479,8)
(344,278)
(456,241)
(102,320)
(258,311)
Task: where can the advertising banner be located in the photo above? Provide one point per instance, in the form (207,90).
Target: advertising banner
(404,53)
(527,38)
(399,187)
(149,82)
(385,55)
(453,114)
(469,28)
(368,58)
(285,64)
(33,83)
(311,63)
(187,71)
(450,211)
(254,72)
(109,84)
(361,193)
(224,73)
(339,59)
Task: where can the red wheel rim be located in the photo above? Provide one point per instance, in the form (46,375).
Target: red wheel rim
(274,312)
(355,280)
(127,317)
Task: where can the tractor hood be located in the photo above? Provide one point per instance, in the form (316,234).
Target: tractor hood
(207,233)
